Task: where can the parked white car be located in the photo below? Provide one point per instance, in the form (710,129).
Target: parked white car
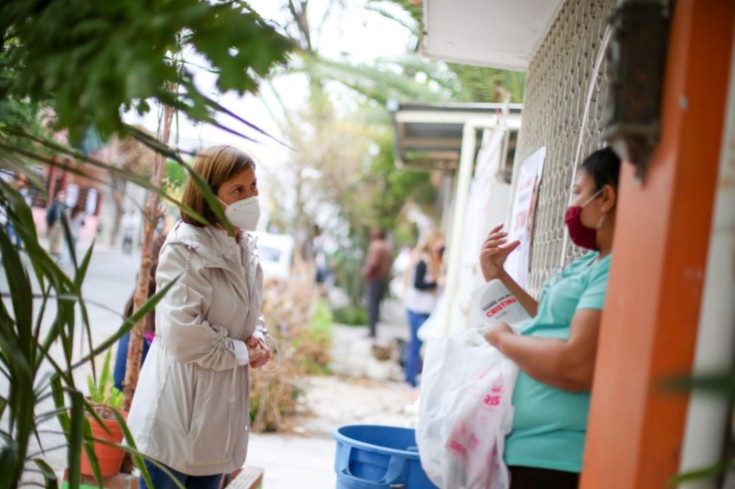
(276,253)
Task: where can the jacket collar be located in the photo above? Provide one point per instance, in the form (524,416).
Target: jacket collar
(215,247)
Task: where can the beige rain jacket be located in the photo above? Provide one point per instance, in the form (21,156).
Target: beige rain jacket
(190,410)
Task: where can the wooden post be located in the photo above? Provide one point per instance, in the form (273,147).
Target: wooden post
(650,323)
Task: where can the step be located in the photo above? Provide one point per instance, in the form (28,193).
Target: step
(249,477)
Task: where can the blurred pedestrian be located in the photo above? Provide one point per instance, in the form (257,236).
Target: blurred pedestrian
(130,224)
(54,228)
(20,184)
(375,274)
(422,280)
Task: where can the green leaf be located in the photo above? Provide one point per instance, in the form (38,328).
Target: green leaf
(19,286)
(79,432)
(9,464)
(93,392)
(81,272)
(104,392)
(703,473)
(3,405)
(48,473)
(721,383)
(57,391)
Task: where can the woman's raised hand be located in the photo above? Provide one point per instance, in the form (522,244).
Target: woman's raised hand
(494,252)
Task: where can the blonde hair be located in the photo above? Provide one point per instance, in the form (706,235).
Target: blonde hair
(427,247)
(214,165)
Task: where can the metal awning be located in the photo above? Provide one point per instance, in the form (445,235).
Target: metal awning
(496,33)
(429,136)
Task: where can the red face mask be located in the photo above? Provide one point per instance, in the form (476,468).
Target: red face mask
(581,235)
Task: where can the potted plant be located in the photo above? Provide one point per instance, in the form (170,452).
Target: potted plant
(106,400)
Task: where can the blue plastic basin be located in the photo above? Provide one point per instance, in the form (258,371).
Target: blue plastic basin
(378,457)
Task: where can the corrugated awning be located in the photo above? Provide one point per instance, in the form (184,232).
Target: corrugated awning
(429,136)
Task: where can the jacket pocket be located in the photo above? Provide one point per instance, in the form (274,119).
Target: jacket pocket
(211,422)
(178,396)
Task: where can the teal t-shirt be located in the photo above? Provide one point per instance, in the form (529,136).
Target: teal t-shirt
(550,424)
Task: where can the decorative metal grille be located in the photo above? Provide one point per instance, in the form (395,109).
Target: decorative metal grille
(554,107)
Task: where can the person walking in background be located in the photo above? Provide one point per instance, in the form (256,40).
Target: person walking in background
(20,184)
(556,349)
(191,405)
(130,223)
(422,281)
(375,274)
(54,228)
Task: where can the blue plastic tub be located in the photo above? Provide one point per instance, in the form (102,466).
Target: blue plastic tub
(378,457)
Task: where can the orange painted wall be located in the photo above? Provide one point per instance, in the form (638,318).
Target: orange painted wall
(649,327)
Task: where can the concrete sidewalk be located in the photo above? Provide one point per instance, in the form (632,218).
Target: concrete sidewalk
(352,349)
(292,462)
(363,391)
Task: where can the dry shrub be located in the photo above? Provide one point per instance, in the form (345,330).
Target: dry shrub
(289,307)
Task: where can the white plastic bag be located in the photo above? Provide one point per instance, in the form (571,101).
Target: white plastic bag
(465,412)
(432,327)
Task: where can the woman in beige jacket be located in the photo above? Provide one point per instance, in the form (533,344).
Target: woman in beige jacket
(190,411)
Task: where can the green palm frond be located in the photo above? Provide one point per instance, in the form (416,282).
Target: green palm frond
(383,81)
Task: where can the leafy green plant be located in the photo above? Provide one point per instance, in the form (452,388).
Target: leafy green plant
(314,346)
(103,392)
(347,267)
(36,352)
(175,177)
(351,316)
(323,320)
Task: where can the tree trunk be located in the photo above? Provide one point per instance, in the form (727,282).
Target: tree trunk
(152,216)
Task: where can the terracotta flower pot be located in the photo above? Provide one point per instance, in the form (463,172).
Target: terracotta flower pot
(109,458)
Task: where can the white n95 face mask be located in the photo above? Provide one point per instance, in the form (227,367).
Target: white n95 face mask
(244,214)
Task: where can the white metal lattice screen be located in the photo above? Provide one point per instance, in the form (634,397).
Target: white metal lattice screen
(554,107)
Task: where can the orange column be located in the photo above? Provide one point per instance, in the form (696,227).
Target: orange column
(663,228)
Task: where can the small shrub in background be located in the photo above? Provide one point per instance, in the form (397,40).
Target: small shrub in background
(300,322)
(351,316)
(313,348)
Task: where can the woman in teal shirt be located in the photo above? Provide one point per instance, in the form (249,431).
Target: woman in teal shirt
(556,350)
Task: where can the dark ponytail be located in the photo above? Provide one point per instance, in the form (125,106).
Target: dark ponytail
(603,166)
